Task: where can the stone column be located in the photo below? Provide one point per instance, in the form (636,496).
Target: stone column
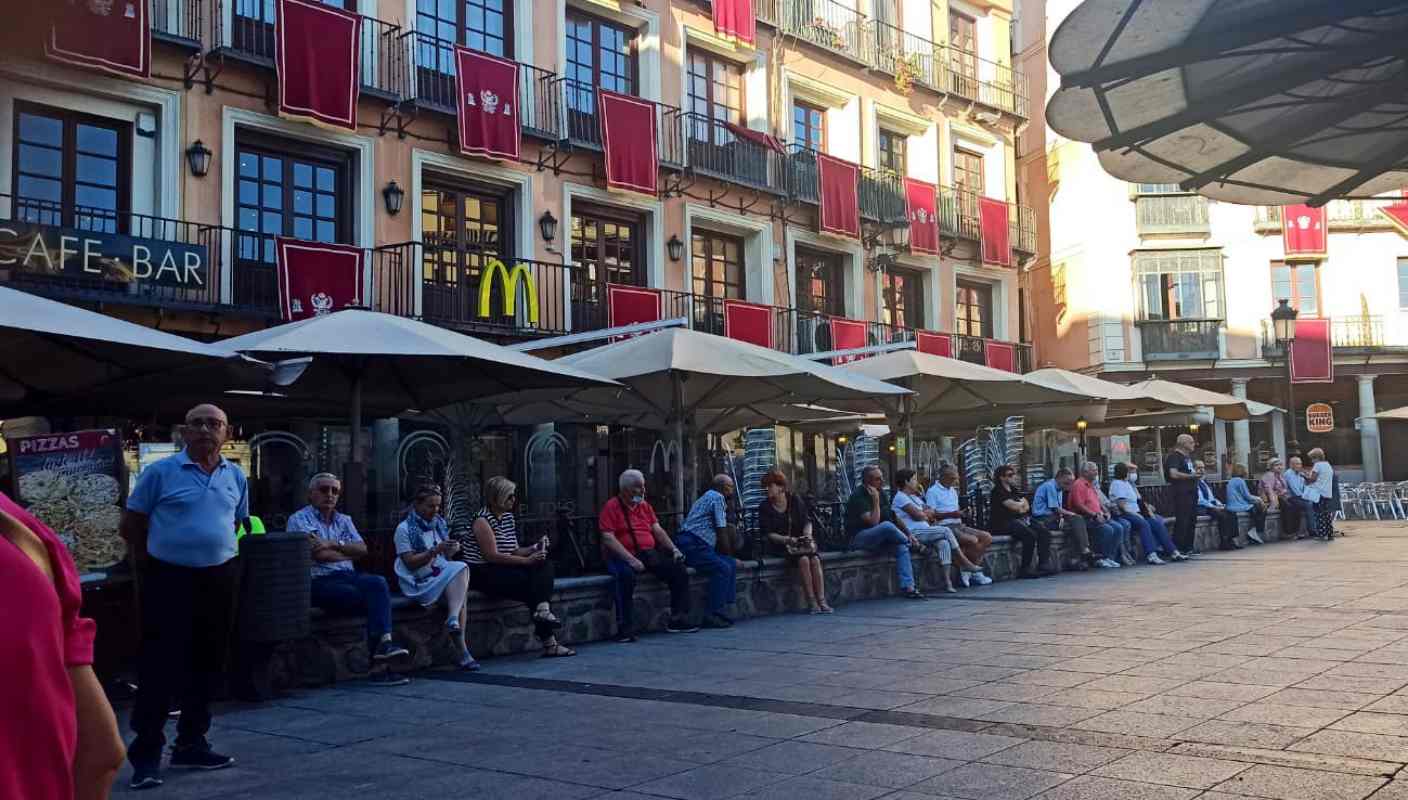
(1278,434)
(1242,429)
(1369,430)
(1219,438)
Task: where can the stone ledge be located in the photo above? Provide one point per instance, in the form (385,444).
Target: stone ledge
(337,649)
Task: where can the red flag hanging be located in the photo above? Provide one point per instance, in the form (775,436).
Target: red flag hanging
(629,305)
(922,202)
(733,19)
(838,193)
(935,344)
(747,322)
(488,105)
(1397,213)
(1000,355)
(111,35)
(756,137)
(1303,232)
(996,231)
(629,139)
(1312,355)
(847,334)
(317,55)
(316,278)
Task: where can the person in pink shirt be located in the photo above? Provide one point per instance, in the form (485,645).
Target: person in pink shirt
(1084,499)
(58,735)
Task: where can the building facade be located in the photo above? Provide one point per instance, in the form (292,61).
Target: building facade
(1134,280)
(195,162)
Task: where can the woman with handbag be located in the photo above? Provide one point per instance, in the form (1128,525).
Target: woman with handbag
(1320,492)
(783,521)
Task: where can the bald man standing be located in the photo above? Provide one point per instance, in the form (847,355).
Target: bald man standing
(180,528)
(698,538)
(1182,478)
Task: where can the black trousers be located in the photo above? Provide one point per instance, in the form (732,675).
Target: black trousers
(1032,536)
(528,585)
(1185,519)
(188,617)
(663,567)
(1226,526)
(1258,518)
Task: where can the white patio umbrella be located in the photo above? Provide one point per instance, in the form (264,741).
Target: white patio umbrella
(1224,406)
(1270,102)
(1394,414)
(679,377)
(57,355)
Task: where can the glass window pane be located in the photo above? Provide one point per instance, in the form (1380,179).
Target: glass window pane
(303,227)
(273,168)
(302,202)
(41,160)
(326,205)
(272,222)
(41,130)
(1305,290)
(273,196)
(249,165)
(39,188)
(326,231)
(96,140)
(302,175)
(325,179)
(95,197)
(93,169)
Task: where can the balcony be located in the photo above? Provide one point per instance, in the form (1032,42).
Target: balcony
(827,24)
(428,81)
(893,51)
(880,193)
(179,22)
(990,83)
(958,219)
(583,128)
(1180,339)
(1342,215)
(144,260)
(967,348)
(1361,332)
(244,30)
(1171,214)
(526,298)
(715,151)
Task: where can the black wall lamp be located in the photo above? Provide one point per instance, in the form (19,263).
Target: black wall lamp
(394,196)
(198,158)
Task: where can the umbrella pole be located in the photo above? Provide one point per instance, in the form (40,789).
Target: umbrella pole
(907,430)
(354,477)
(677,411)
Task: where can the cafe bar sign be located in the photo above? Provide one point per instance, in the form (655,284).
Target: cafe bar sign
(48,250)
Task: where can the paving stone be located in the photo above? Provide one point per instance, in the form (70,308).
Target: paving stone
(1322,698)
(1038,714)
(1393,704)
(1157,725)
(709,782)
(954,744)
(1089,787)
(1133,684)
(1284,783)
(1211,690)
(1348,683)
(814,788)
(991,782)
(1276,714)
(1086,697)
(882,768)
(960,707)
(1007,692)
(864,735)
(1371,722)
(793,757)
(1244,734)
(1050,677)
(1075,758)
(1359,745)
(1172,770)
(1183,706)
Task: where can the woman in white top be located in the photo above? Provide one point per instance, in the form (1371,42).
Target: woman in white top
(909,507)
(424,568)
(1153,533)
(1320,490)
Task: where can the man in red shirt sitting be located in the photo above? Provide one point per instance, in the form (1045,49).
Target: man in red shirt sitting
(634,542)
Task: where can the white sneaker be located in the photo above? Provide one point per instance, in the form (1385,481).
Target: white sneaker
(1254,536)
(1106,563)
(1155,560)
(981,579)
(963,578)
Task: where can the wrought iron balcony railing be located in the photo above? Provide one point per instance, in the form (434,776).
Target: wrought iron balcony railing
(834,26)
(1171,214)
(1180,339)
(716,151)
(179,22)
(958,218)
(584,121)
(428,80)
(1347,215)
(904,55)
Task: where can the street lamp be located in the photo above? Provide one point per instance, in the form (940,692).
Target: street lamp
(198,158)
(675,248)
(1283,323)
(547,226)
(393,195)
(1081,425)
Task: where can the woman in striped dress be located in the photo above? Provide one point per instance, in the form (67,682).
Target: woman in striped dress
(500,568)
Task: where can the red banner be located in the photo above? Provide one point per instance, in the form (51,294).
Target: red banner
(629,305)
(935,344)
(996,230)
(111,35)
(488,105)
(1001,355)
(1312,356)
(838,193)
(747,322)
(847,334)
(733,19)
(317,278)
(756,137)
(1303,232)
(317,54)
(1397,213)
(922,203)
(628,137)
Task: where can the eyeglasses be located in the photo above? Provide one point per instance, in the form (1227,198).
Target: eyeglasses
(329,489)
(206,423)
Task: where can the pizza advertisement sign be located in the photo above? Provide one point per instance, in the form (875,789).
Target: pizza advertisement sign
(71,481)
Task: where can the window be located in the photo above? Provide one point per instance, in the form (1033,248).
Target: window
(902,298)
(606,248)
(1297,283)
(893,153)
(974,309)
(718,265)
(819,282)
(1403,283)
(481,25)
(715,97)
(809,126)
(968,180)
(462,228)
(284,189)
(963,48)
(1058,286)
(71,169)
(1179,284)
(600,54)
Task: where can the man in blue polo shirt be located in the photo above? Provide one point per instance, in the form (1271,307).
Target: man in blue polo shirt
(180,529)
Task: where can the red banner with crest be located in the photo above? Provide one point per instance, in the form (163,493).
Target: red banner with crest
(317,55)
(317,278)
(488,105)
(110,35)
(922,202)
(1304,232)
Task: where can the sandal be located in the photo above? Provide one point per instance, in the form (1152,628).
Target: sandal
(558,651)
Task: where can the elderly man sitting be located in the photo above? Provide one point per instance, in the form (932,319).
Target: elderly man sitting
(337,587)
(698,538)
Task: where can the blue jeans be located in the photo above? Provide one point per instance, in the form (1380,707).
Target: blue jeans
(347,592)
(883,537)
(1141,527)
(1109,536)
(1161,535)
(700,555)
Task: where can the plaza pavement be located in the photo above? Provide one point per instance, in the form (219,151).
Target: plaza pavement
(1273,672)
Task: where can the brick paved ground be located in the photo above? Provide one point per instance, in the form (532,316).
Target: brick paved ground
(1275,672)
